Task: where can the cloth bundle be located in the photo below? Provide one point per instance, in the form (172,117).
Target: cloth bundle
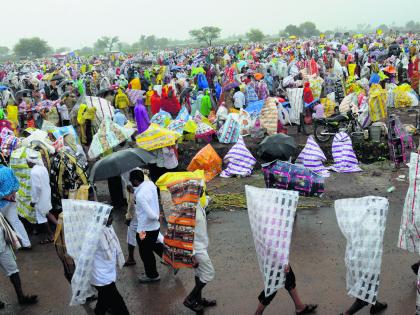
(162,118)
(272,225)
(134,95)
(269,116)
(179,237)
(108,136)
(312,157)
(296,104)
(283,175)
(239,160)
(203,131)
(345,160)
(229,132)
(362,222)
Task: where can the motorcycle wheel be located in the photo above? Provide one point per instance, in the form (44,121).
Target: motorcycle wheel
(318,133)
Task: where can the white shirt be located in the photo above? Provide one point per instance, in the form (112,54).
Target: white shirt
(40,188)
(201,239)
(64,112)
(147,207)
(104,270)
(239,99)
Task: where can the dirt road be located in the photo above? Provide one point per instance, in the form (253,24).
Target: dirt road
(317,257)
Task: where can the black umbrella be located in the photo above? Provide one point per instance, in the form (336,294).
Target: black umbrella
(279,146)
(120,162)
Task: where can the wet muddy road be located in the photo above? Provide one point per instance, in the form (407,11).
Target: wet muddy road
(317,257)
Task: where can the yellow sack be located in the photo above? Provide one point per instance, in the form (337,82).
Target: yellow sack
(329,106)
(377,103)
(352,68)
(80,118)
(207,160)
(156,137)
(171,177)
(12,113)
(401,98)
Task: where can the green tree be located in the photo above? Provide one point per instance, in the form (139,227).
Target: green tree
(124,47)
(308,29)
(32,47)
(255,35)
(162,42)
(206,34)
(106,44)
(62,49)
(412,26)
(85,51)
(292,30)
(4,51)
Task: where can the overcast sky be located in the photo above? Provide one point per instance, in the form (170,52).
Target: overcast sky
(77,23)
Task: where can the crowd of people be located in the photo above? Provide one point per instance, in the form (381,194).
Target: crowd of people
(58,117)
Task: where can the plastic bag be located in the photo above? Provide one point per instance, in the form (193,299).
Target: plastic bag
(207,160)
(202,82)
(377,103)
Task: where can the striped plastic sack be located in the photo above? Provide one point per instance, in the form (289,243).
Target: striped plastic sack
(313,158)
(377,103)
(239,160)
(345,160)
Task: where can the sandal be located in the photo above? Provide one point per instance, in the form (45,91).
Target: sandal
(46,241)
(309,308)
(28,299)
(129,263)
(208,303)
(1,305)
(378,307)
(196,306)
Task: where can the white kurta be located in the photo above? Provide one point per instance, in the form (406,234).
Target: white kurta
(40,191)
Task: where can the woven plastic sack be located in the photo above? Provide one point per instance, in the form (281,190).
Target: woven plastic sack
(179,237)
(272,226)
(362,222)
(207,160)
(283,175)
(156,137)
(377,103)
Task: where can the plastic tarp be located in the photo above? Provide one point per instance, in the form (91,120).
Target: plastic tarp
(362,222)
(272,226)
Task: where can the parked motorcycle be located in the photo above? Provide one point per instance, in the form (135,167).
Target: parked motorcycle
(325,128)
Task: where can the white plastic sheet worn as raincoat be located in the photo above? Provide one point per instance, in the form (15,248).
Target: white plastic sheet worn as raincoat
(83,221)
(362,222)
(409,237)
(272,224)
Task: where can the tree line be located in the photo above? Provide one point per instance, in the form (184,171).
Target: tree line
(36,47)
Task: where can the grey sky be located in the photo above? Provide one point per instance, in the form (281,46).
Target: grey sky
(76,23)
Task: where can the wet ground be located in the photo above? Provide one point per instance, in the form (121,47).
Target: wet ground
(317,257)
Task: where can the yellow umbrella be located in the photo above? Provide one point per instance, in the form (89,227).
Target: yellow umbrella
(292,37)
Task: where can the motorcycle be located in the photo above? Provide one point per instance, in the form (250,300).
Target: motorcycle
(325,128)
